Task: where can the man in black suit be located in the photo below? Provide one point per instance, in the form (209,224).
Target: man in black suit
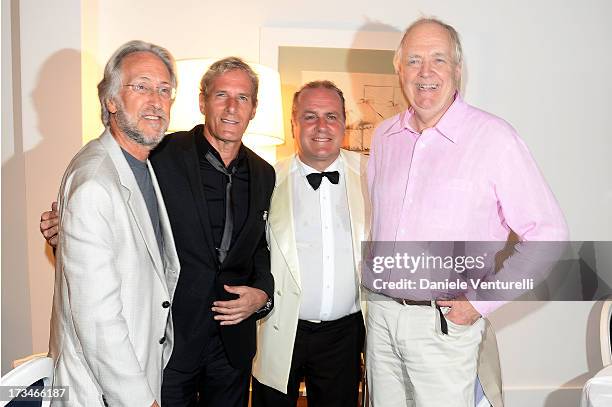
(217,194)
(228,284)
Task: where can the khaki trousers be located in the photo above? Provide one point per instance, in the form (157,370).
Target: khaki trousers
(411,363)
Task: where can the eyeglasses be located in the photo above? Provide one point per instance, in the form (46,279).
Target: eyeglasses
(164,92)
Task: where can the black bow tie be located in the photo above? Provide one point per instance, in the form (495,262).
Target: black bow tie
(315,178)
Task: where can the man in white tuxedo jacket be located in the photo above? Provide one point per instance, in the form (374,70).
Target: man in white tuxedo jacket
(116,264)
(315,228)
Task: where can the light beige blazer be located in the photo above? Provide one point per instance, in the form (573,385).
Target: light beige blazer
(276,333)
(108,320)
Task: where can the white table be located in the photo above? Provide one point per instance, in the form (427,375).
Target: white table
(597,391)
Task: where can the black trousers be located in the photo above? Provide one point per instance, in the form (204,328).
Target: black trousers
(328,356)
(214,384)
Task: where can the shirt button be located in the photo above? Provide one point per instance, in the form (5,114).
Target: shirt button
(278,292)
(162,340)
(166,304)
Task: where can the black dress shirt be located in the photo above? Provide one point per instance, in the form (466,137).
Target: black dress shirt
(213,185)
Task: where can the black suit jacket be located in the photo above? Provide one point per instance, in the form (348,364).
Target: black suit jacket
(202,277)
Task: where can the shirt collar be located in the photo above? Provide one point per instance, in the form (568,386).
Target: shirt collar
(447,126)
(133,161)
(204,146)
(305,169)
(450,123)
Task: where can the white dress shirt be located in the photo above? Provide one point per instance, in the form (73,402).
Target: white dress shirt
(324,245)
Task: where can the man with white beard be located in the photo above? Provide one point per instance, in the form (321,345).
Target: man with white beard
(116,263)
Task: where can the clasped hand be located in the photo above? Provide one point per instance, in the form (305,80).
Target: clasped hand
(235,311)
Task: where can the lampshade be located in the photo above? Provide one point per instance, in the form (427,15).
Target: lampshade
(266,129)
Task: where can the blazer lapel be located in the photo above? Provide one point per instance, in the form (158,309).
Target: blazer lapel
(134,200)
(190,159)
(281,220)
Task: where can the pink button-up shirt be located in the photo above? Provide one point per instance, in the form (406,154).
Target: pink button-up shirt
(469,178)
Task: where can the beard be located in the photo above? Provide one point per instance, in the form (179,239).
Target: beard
(130,129)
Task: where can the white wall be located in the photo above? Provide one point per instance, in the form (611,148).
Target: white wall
(40,140)
(544,66)
(14,254)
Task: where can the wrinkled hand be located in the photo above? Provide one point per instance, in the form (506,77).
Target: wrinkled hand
(461,311)
(235,311)
(49,225)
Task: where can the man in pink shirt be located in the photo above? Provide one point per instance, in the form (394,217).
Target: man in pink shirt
(443,171)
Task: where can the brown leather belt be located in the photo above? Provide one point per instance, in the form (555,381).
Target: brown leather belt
(411,302)
(443,323)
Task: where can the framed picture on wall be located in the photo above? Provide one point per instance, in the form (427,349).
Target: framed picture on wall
(358,62)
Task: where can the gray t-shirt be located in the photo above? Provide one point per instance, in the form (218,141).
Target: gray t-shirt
(143,178)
